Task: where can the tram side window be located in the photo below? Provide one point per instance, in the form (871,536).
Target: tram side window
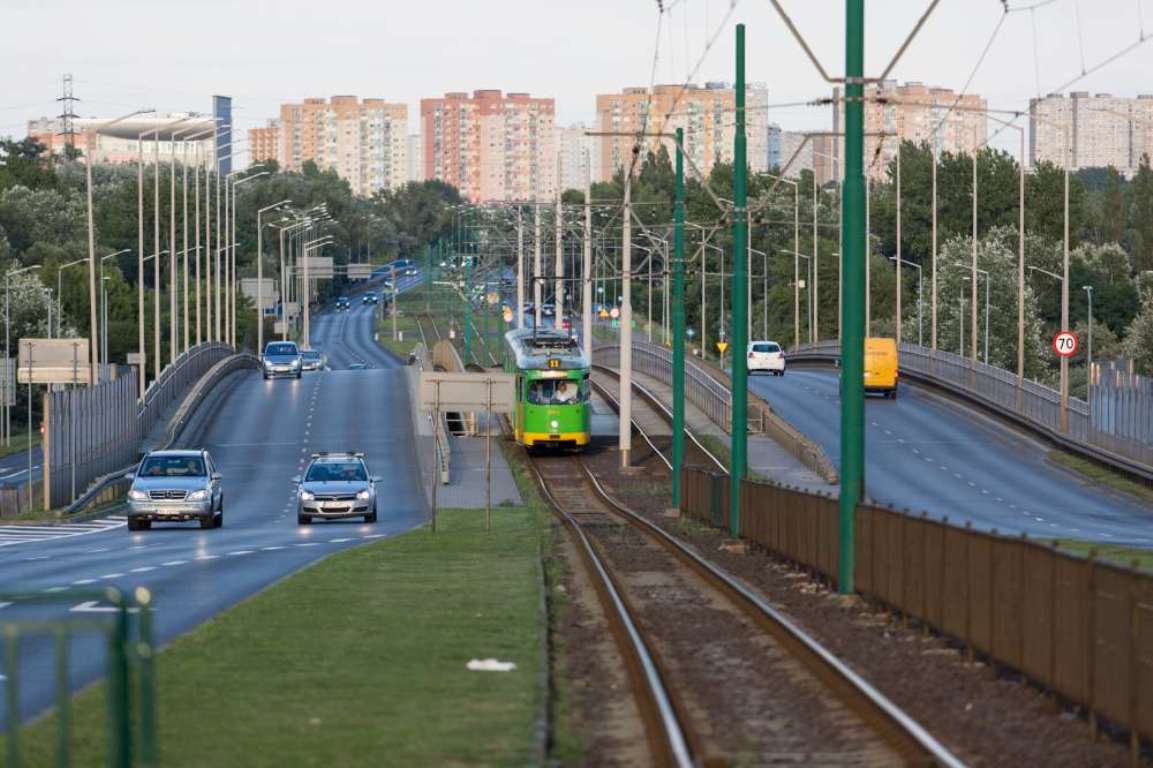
(557,392)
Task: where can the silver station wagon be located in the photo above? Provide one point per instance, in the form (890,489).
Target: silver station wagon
(175,486)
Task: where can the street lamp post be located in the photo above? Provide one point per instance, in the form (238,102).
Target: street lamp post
(1088,289)
(60,295)
(920,297)
(260,272)
(230,283)
(10,374)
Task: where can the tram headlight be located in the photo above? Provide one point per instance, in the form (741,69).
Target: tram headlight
(554,424)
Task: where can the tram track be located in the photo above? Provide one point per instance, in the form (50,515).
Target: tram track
(652,586)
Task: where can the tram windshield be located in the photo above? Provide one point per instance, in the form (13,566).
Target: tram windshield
(558,391)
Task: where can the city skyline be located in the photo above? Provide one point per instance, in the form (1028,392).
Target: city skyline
(540,62)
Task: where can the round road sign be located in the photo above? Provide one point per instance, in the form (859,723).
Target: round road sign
(1065,343)
(615,313)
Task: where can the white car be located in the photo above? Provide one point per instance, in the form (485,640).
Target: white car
(766,356)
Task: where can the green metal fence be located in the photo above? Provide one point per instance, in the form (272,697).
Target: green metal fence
(126,626)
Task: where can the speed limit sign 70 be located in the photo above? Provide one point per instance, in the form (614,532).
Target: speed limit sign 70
(1065,343)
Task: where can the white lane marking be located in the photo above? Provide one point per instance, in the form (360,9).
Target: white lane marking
(143,569)
(376,536)
(242,552)
(206,557)
(308,544)
(5,604)
(338,541)
(94,606)
(55,589)
(38,557)
(82,582)
(172,563)
(11,535)
(914,449)
(272,549)
(956,475)
(112,575)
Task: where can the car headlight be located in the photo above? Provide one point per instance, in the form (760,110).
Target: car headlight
(200,495)
(305,495)
(362,495)
(295,363)
(136,495)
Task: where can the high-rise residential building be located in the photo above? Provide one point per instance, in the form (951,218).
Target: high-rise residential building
(773,145)
(365,142)
(415,158)
(916,113)
(707,115)
(491,146)
(1103,130)
(574,156)
(264,143)
(805,153)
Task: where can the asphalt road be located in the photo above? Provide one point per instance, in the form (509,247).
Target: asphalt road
(928,453)
(261,435)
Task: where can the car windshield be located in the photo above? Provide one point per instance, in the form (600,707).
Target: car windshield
(172,466)
(336,472)
(280,349)
(310,355)
(557,392)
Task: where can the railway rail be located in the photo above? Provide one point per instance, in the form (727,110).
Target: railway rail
(710,660)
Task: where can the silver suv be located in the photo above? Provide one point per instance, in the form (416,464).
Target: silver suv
(336,485)
(175,486)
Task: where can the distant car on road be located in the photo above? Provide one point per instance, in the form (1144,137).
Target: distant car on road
(175,486)
(358,366)
(766,356)
(370,298)
(336,485)
(343,303)
(281,358)
(311,360)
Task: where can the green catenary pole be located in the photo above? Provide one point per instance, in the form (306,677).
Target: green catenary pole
(853,293)
(678,299)
(739,427)
(468,311)
(427,278)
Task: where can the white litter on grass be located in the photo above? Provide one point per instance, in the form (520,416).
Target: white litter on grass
(490,665)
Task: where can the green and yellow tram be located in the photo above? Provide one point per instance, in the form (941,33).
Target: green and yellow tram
(552,388)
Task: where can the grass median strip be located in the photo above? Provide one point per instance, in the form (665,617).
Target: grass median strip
(358,660)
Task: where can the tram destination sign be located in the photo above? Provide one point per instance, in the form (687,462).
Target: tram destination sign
(467,391)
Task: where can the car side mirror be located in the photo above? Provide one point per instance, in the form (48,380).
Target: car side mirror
(296,479)
(377,478)
(216,476)
(129,475)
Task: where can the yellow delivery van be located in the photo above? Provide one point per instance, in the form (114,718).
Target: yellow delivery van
(881,366)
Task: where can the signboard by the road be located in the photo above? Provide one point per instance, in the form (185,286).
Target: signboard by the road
(722,346)
(8,381)
(53,361)
(614,313)
(319,267)
(1065,343)
(358,271)
(136,358)
(278,326)
(467,391)
(268,294)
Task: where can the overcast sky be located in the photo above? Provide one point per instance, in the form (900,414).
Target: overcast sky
(128,54)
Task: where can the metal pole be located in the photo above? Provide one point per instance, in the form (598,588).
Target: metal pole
(1089,352)
(624,429)
(184,210)
(519,268)
(214,297)
(259,284)
(973,286)
(933,292)
(1021,267)
(868,260)
(1065,293)
(898,334)
(199,252)
(156,360)
(678,300)
(283,296)
(740,309)
(986,353)
(537,286)
(853,320)
(304,332)
(796,266)
(558,285)
(488,457)
(95,369)
(814,329)
(172,248)
(587,277)
(142,371)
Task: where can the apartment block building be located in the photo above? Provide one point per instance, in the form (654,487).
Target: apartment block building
(706,113)
(264,143)
(491,146)
(365,142)
(415,158)
(914,112)
(574,156)
(1098,130)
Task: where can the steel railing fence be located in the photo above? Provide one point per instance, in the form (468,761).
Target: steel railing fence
(702,390)
(90,432)
(1075,625)
(1120,420)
